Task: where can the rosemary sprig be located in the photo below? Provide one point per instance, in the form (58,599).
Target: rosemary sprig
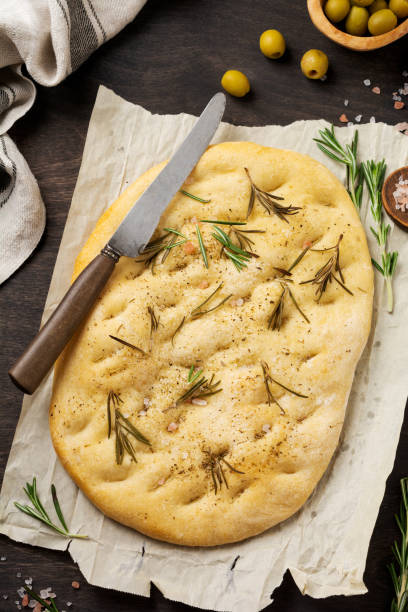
(198,312)
(326,273)
(347,155)
(214,462)
(374,174)
(399,570)
(201,245)
(154,321)
(178,329)
(126,343)
(194,197)
(269,201)
(202,388)
(48,606)
(238,256)
(123,429)
(163,244)
(275,320)
(38,511)
(244,242)
(268,380)
(294,264)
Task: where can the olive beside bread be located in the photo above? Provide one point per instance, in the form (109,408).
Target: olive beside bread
(363,17)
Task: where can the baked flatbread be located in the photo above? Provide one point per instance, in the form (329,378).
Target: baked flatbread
(224,461)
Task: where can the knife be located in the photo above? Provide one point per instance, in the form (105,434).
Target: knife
(129,240)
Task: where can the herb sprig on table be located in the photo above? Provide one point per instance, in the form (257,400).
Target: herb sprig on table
(47,604)
(374,174)
(346,155)
(38,511)
(399,568)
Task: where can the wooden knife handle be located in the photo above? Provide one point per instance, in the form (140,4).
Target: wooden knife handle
(42,352)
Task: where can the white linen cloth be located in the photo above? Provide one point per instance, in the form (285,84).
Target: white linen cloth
(51,38)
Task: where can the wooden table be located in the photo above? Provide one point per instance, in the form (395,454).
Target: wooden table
(170,60)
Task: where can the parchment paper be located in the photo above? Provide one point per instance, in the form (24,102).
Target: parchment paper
(325,544)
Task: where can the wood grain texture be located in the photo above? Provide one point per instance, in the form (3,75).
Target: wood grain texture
(170,60)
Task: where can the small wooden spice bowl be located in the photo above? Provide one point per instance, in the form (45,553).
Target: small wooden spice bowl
(357,43)
(399,216)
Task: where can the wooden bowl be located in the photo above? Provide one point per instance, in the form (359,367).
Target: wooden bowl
(399,216)
(357,43)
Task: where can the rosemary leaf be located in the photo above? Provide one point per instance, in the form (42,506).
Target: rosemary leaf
(154,321)
(202,247)
(268,380)
(58,507)
(178,329)
(238,256)
(202,388)
(192,376)
(115,400)
(132,346)
(126,424)
(223,222)
(194,197)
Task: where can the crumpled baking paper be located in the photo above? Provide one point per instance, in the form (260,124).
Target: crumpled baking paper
(325,544)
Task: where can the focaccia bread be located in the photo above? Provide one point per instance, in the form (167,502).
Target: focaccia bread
(206,423)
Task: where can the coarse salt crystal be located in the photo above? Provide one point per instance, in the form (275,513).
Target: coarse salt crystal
(405,73)
(399,105)
(32,603)
(372,119)
(69,603)
(266,427)
(376,90)
(28,581)
(346,102)
(367,82)
(349,124)
(194,220)
(358,118)
(239,302)
(146,402)
(324,77)
(160,483)
(204,284)
(44,593)
(5,596)
(3,558)
(396,98)
(142,413)
(184,455)
(172,427)
(21,592)
(199,402)
(18,574)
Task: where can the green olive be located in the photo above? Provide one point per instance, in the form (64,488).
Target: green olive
(235,83)
(272,44)
(362,2)
(400,8)
(356,22)
(377,5)
(381,22)
(336,10)
(314,64)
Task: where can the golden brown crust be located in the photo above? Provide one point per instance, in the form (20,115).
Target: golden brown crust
(169,494)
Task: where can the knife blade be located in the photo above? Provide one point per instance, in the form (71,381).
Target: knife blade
(139,224)
(129,239)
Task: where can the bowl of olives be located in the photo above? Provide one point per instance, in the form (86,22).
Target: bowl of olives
(362,25)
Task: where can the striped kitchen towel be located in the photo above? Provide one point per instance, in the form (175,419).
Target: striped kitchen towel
(52,38)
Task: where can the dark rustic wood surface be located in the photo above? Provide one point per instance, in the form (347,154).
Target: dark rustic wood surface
(170,59)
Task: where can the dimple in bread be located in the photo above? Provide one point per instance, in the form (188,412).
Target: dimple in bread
(226,466)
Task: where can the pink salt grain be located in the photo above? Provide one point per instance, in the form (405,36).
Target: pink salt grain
(204,285)
(172,427)
(38,607)
(399,105)
(189,248)
(307,244)
(75,584)
(343,118)
(24,601)
(376,90)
